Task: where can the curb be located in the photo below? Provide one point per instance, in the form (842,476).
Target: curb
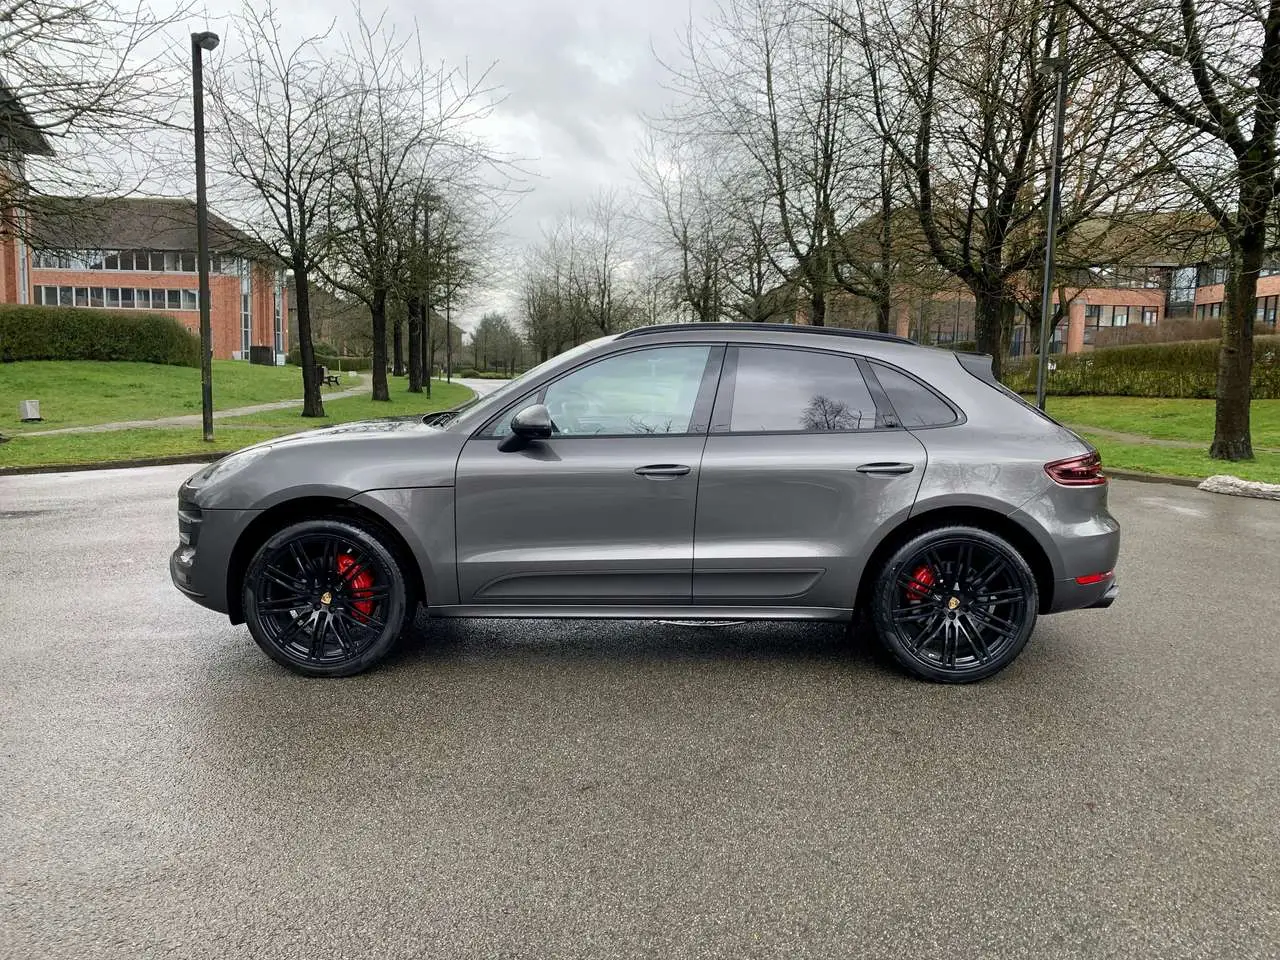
(1153,477)
(113,464)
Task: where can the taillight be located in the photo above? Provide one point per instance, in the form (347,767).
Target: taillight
(1084,471)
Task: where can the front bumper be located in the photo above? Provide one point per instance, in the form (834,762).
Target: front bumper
(201,565)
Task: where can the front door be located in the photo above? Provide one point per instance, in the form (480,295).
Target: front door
(602,512)
(801,468)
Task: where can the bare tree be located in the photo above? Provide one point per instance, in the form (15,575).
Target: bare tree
(1212,71)
(770,79)
(962,95)
(403,117)
(86,84)
(275,106)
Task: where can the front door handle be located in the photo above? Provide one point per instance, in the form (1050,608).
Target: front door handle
(886,469)
(663,471)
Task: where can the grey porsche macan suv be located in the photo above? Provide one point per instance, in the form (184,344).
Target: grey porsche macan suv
(716,472)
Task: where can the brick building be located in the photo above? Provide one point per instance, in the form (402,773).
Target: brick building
(140,254)
(19,139)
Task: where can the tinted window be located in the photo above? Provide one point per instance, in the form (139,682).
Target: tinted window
(779,391)
(915,404)
(645,391)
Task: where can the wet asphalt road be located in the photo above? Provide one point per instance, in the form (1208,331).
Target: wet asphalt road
(527,789)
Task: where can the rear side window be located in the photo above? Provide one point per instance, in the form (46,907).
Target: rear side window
(798,391)
(915,404)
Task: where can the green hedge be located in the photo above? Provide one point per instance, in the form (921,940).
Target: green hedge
(1188,369)
(332,360)
(75,333)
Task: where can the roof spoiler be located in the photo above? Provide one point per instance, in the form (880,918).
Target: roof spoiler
(980,366)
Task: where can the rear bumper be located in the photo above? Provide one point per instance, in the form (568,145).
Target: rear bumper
(1108,598)
(1069,595)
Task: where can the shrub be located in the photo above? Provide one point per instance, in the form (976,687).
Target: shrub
(327,357)
(73,333)
(1187,370)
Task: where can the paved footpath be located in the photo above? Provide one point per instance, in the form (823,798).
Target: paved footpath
(193,419)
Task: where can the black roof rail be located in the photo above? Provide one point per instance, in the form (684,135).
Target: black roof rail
(768,327)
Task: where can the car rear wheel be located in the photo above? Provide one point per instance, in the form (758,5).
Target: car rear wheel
(325,598)
(955,605)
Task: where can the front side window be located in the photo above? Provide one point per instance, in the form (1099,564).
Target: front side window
(799,391)
(641,392)
(914,403)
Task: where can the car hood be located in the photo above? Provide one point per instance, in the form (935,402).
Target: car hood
(338,461)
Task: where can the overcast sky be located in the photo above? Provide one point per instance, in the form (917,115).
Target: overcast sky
(577,76)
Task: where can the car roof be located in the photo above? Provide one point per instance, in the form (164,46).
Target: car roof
(787,329)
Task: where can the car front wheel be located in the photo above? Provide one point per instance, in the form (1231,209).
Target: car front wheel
(955,605)
(325,598)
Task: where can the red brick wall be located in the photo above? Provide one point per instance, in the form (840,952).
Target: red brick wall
(224,300)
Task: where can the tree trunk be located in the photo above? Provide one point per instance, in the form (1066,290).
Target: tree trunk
(1231,430)
(818,307)
(378,311)
(990,312)
(884,314)
(312,404)
(397,352)
(415,344)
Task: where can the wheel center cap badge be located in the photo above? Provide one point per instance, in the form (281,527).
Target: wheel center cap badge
(326,598)
(952,604)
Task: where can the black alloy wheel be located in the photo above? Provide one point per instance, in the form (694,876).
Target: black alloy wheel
(325,598)
(955,605)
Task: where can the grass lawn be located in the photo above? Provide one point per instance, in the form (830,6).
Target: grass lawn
(229,434)
(74,393)
(1190,420)
(1177,462)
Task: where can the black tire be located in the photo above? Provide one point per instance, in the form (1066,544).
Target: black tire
(967,616)
(326,597)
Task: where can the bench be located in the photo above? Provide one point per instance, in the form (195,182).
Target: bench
(327,378)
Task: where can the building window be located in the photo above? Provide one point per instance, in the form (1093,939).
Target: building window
(82,296)
(1119,316)
(126,298)
(1092,320)
(190,300)
(246,324)
(113,297)
(1267,311)
(279,327)
(1215,310)
(1150,316)
(143,299)
(96,298)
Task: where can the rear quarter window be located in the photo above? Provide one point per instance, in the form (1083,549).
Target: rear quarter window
(915,404)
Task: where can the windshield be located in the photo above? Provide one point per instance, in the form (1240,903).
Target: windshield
(513,388)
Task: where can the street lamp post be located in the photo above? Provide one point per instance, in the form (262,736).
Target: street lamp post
(1058,66)
(201,42)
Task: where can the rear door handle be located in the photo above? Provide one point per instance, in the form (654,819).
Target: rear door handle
(663,471)
(886,469)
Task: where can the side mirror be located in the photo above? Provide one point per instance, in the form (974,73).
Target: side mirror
(531,423)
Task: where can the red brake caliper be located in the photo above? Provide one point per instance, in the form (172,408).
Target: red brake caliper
(360,582)
(921,580)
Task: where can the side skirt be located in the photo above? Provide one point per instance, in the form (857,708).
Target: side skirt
(605,612)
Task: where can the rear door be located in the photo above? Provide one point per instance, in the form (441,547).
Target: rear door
(801,467)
